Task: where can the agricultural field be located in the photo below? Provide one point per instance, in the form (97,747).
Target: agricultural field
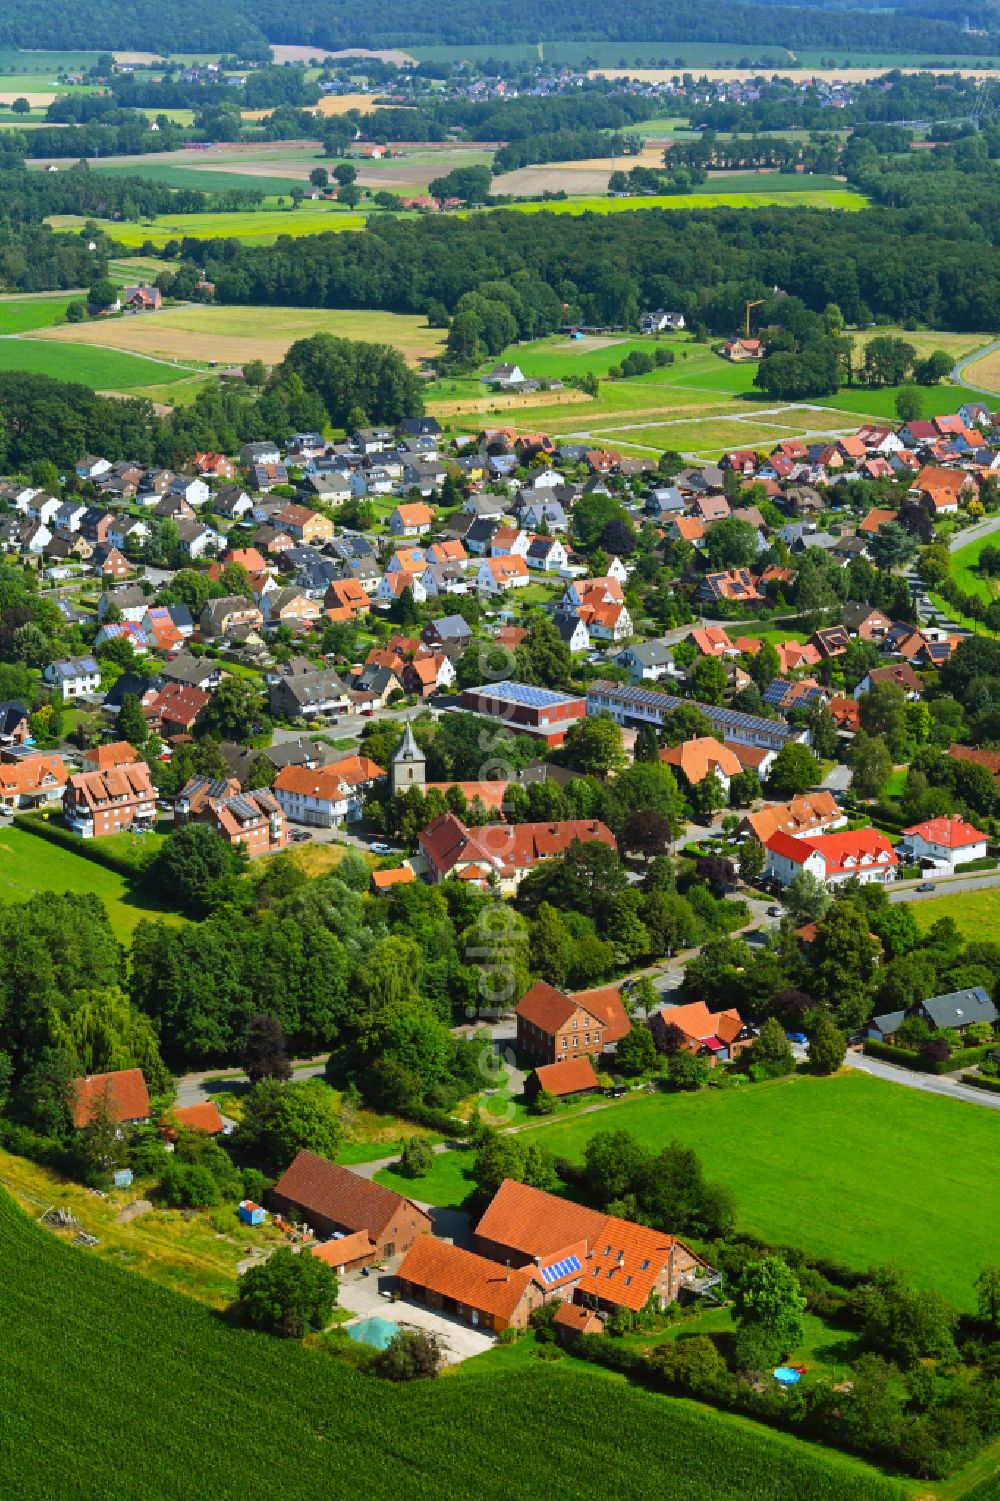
(984,373)
(21,314)
(101,369)
(796,1156)
(29,865)
(261,227)
(838,198)
(206,179)
(230,335)
(91,1355)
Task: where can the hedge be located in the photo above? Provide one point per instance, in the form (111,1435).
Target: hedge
(31,823)
(907,1058)
(986,863)
(980,1081)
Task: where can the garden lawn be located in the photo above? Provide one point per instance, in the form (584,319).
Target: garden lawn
(850,1168)
(29,864)
(976,914)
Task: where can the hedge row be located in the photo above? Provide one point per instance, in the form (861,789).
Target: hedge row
(907,1058)
(90,849)
(986,863)
(980,1081)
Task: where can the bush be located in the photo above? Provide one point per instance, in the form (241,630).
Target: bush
(986,863)
(907,1058)
(411,1355)
(288,1294)
(416,1158)
(980,1081)
(187,1186)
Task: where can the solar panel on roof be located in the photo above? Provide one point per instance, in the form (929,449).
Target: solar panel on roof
(560,1269)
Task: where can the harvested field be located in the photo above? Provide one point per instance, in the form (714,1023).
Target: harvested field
(230,335)
(985,373)
(288,53)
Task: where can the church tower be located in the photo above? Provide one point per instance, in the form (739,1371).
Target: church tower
(409,764)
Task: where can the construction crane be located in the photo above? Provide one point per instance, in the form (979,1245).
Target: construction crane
(758,303)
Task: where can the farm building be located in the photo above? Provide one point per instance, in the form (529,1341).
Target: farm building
(332,1200)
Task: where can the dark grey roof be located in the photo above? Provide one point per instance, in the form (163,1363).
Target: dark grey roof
(11,715)
(889,1022)
(959,1008)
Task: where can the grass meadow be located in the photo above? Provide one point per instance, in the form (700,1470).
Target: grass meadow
(850,1168)
(29,865)
(974,913)
(263,226)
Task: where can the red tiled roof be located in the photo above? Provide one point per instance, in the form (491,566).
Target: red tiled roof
(345,1250)
(505,848)
(383,879)
(568,1077)
(125,1091)
(951,833)
(606,1004)
(327,1189)
(470,1280)
(202,1117)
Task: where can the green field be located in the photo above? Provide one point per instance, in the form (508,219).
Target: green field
(708,196)
(800,1159)
(20,315)
(93,1356)
(262,227)
(221,181)
(965,572)
(974,913)
(90,365)
(29,865)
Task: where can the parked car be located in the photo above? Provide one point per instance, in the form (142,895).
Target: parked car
(774,911)
(799,1037)
(378,848)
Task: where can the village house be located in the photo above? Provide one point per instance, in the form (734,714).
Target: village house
(503,853)
(413,519)
(572,1078)
(308,695)
(106,757)
(303,525)
(944,844)
(15,723)
(32,782)
(552,1026)
(220,615)
(109,802)
(334,1201)
(703,757)
(716,1036)
(864,855)
(121,1097)
(252,822)
(810,813)
(480,1292)
(76,677)
(584,1256)
(327,797)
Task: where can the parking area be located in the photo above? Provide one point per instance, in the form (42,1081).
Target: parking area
(364,1297)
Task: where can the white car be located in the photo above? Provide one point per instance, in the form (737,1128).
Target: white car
(380,849)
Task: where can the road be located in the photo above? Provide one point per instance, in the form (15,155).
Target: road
(958,371)
(927,1083)
(945,886)
(194,1089)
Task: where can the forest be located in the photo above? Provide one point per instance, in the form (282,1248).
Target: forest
(245,27)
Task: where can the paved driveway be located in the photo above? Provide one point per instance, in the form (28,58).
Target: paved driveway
(363,1296)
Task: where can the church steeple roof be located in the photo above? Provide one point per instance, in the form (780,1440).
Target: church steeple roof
(408,749)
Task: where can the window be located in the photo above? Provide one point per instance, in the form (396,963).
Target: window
(576,1021)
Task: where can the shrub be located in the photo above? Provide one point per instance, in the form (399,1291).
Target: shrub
(288,1294)
(411,1355)
(416,1158)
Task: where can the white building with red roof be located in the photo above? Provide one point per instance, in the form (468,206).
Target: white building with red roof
(864,855)
(944,843)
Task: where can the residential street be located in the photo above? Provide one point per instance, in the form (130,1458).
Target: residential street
(929,1083)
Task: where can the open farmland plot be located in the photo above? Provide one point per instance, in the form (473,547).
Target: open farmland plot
(101,369)
(230,335)
(92,1354)
(984,373)
(839,198)
(260,227)
(973,912)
